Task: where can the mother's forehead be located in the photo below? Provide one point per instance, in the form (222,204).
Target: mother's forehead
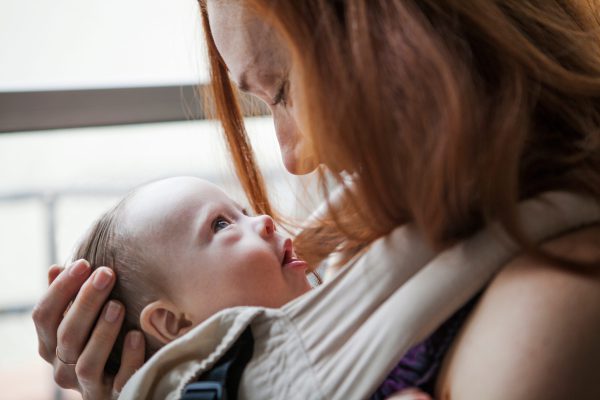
(246,43)
(235,27)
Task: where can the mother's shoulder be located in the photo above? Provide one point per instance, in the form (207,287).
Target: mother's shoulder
(534,333)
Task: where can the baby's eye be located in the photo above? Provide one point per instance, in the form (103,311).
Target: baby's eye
(220,223)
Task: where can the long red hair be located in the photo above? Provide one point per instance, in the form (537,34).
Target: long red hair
(448,112)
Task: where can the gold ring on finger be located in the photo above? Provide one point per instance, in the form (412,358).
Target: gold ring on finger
(63,361)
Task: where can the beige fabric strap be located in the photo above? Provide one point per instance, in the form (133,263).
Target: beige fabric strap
(340,340)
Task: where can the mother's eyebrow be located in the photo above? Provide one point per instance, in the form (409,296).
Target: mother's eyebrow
(242,83)
(266,80)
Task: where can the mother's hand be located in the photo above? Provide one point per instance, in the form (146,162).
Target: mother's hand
(75,333)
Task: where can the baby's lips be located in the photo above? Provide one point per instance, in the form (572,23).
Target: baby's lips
(288,251)
(290,260)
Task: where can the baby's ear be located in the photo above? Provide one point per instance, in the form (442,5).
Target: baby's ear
(162,320)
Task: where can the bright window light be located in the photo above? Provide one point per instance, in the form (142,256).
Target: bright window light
(73,44)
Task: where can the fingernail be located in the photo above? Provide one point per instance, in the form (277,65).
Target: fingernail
(79,268)
(102,278)
(112,312)
(135,338)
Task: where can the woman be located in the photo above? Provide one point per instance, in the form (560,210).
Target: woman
(447,113)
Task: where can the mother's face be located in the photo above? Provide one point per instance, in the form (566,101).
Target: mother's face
(260,65)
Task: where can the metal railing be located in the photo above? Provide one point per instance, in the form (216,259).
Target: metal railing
(62,109)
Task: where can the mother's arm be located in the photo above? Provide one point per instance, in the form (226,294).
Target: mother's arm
(86,333)
(534,334)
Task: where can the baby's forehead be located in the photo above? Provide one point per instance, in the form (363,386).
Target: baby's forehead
(181,188)
(171,201)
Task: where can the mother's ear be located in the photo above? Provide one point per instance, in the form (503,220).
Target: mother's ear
(164,321)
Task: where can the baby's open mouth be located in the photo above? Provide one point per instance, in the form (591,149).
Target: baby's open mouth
(290,260)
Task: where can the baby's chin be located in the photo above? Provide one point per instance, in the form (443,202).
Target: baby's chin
(302,288)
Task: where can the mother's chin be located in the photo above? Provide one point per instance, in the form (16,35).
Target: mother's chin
(300,167)
(295,162)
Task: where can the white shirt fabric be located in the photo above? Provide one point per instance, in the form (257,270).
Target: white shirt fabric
(340,340)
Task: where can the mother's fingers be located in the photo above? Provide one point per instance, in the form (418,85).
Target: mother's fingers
(131,360)
(64,375)
(79,321)
(53,272)
(91,362)
(48,312)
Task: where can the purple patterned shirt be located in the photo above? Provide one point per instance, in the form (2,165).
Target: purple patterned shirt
(421,364)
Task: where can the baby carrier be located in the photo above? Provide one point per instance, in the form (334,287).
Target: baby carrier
(221,381)
(340,340)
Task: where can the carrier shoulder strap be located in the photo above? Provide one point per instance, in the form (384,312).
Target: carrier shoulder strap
(222,381)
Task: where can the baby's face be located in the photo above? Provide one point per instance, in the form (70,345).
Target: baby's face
(209,252)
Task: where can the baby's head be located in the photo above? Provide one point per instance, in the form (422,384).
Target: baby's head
(182,251)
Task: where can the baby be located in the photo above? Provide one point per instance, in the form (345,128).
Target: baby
(182,251)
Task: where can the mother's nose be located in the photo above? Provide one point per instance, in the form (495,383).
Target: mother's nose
(265,226)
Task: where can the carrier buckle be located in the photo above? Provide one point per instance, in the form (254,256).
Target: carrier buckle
(203,391)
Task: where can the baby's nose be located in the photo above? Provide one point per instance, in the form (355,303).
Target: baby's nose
(266,226)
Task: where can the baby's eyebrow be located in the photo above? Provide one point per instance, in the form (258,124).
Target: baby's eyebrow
(243,210)
(203,227)
(239,207)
